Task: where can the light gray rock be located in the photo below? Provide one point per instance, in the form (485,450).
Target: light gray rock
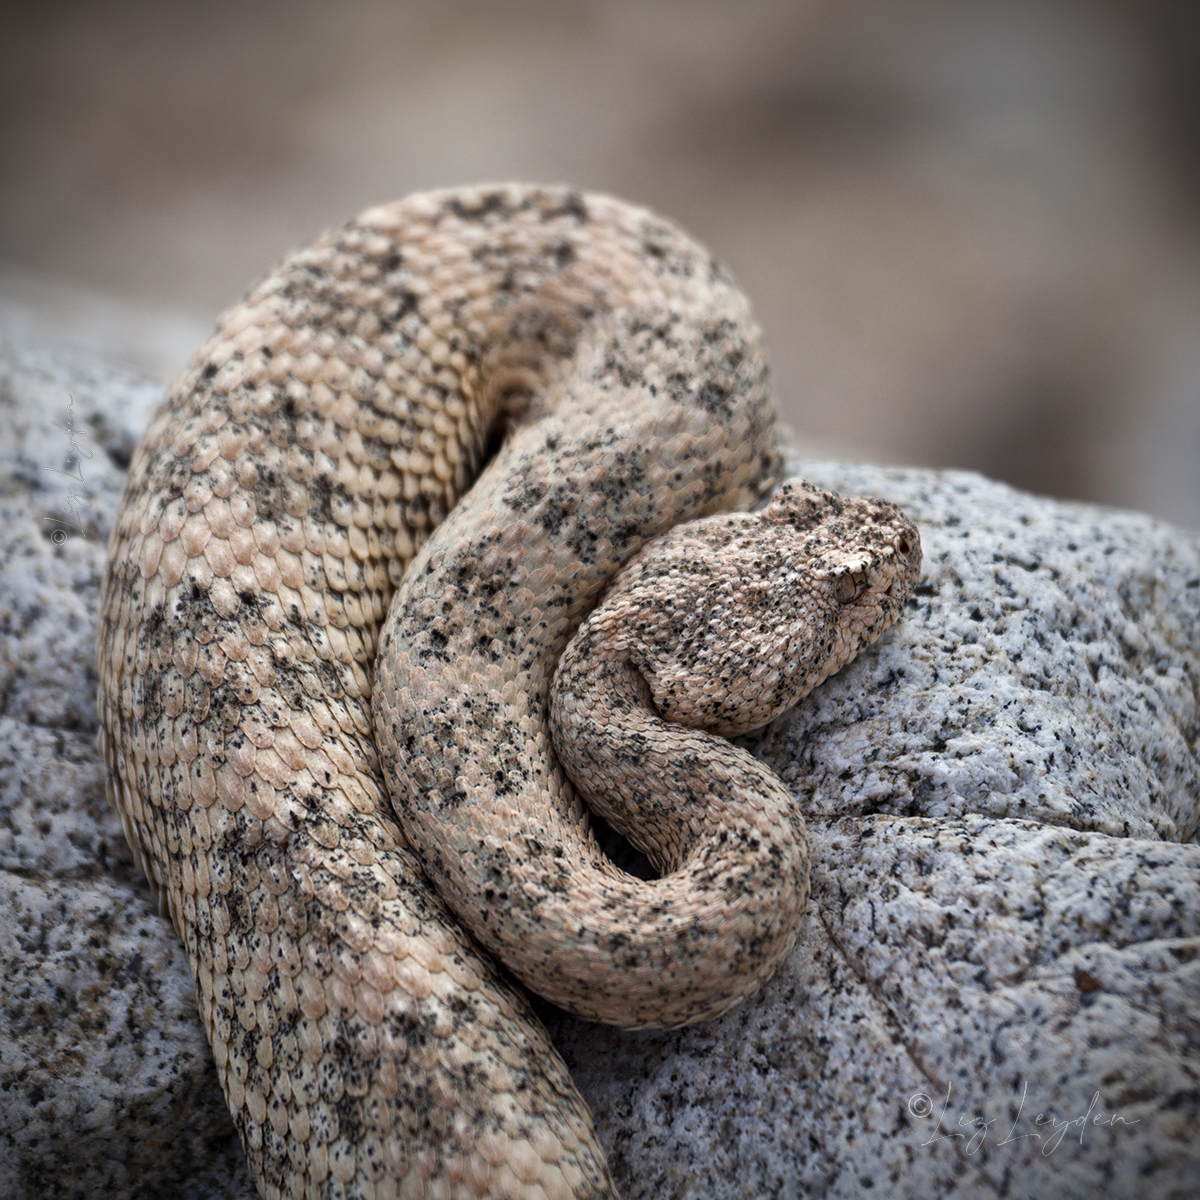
(1002,799)
(996,991)
(106,1082)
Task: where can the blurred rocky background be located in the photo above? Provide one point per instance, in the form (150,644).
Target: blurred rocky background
(972,230)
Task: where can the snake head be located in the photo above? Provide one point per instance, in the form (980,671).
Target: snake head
(731,620)
(861,558)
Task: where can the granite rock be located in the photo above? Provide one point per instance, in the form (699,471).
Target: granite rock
(107,1086)
(996,990)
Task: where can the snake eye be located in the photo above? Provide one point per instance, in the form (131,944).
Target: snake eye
(845,589)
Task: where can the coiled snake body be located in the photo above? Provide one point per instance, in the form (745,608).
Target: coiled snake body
(255,703)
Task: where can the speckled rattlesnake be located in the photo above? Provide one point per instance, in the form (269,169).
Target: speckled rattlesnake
(365,1045)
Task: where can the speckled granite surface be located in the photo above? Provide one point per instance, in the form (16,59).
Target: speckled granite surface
(106,1082)
(997,988)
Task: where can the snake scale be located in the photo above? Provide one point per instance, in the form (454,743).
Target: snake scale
(318,594)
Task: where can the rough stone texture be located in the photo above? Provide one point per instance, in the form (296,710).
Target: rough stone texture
(106,1082)
(1006,899)
(1001,904)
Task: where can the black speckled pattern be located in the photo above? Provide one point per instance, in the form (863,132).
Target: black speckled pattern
(365,1045)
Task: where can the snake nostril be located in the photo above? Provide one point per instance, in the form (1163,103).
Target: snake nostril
(903,545)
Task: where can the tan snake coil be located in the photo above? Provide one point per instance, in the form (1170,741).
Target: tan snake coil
(365,1045)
